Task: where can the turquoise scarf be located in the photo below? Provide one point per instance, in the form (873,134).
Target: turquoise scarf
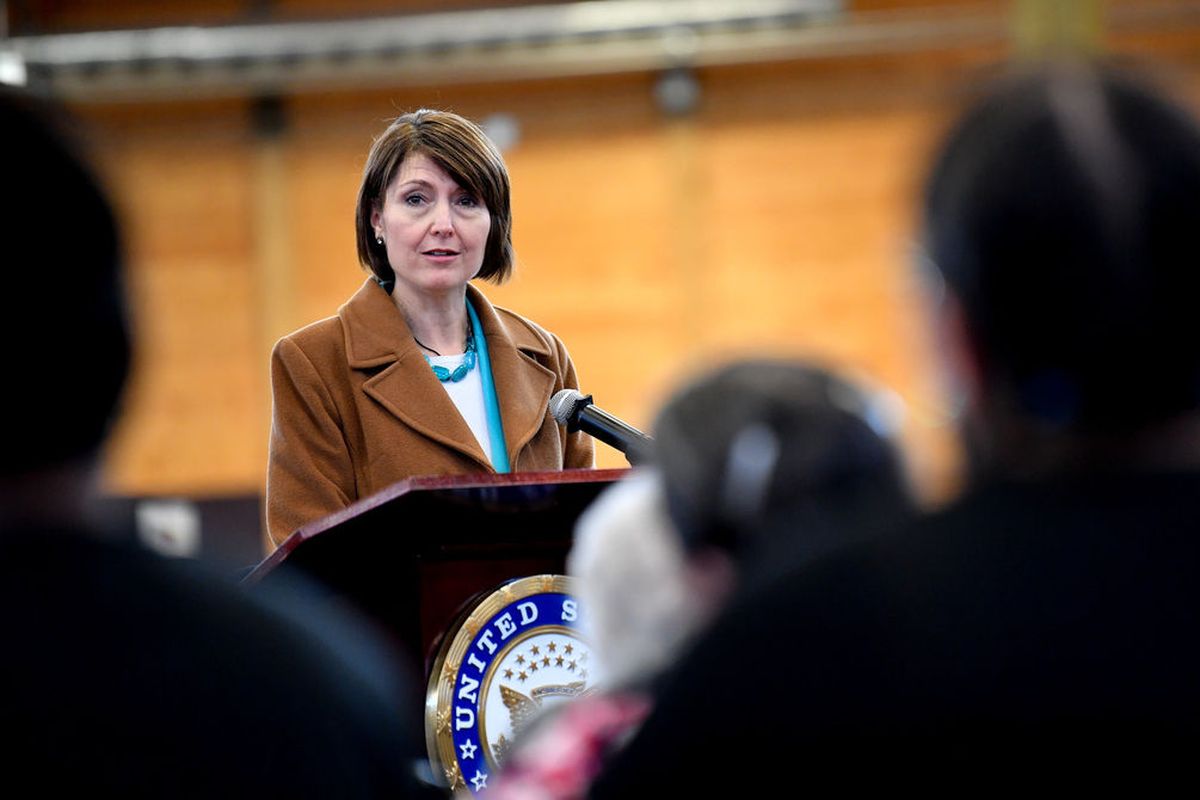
(490,401)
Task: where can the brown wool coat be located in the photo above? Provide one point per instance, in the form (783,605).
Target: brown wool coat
(357,408)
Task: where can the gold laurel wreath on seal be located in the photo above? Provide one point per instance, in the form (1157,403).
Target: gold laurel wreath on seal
(439,697)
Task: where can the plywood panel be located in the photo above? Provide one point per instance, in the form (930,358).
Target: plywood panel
(776,219)
(654,247)
(191,422)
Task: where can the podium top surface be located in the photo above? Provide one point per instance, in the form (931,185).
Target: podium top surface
(496,487)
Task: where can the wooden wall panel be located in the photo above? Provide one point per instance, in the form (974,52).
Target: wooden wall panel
(655,247)
(811,254)
(775,220)
(185,196)
(321,187)
(600,260)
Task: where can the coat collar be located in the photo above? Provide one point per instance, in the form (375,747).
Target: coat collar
(378,337)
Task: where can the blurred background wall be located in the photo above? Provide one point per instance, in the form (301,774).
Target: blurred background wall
(693,181)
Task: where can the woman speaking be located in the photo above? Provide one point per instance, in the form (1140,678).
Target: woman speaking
(418,374)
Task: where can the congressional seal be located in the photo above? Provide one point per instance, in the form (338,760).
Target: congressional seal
(514,653)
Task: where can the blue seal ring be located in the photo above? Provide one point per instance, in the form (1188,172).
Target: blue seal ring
(516,649)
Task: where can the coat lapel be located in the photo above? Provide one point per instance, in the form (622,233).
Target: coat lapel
(523,385)
(377,336)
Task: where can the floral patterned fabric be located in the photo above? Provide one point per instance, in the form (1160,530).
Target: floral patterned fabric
(563,754)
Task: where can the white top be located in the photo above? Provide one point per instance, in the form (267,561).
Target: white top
(467,396)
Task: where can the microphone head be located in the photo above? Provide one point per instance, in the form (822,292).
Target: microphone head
(563,404)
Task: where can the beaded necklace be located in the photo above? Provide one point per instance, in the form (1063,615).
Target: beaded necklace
(468,363)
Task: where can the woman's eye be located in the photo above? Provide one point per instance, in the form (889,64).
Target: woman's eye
(414,200)
(468,201)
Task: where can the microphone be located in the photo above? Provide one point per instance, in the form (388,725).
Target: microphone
(576,411)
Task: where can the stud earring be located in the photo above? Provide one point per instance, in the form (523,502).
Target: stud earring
(378,240)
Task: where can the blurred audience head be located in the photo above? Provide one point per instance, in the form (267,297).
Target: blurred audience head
(1061,213)
(65,333)
(759,444)
(760,466)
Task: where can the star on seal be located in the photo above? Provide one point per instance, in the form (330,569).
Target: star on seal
(480,780)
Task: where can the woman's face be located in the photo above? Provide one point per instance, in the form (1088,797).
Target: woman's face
(435,231)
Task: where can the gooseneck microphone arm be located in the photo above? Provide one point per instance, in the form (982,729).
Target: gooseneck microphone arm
(578,413)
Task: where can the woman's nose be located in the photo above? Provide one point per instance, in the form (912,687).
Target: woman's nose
(443,220)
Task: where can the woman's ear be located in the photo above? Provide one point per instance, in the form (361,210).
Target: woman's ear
(711,577)
(959,355)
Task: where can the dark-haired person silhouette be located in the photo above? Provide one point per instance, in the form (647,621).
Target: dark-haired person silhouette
(1040,631)
(755,466)
(125,674)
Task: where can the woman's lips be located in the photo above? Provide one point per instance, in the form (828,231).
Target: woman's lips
(440,255)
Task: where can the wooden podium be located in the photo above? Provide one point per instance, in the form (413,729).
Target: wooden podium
(412,556)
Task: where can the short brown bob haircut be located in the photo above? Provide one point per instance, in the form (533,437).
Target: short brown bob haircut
(458,146)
